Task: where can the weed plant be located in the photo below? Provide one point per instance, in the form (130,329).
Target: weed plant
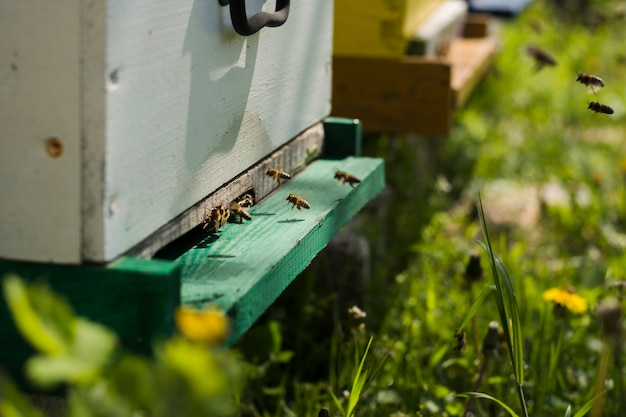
(444,344)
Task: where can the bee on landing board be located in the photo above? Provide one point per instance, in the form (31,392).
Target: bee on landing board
(344,177)
(277,174)
(599,108)
(216,218)
(246,200)
(238,213)
(297,201)
(541,57)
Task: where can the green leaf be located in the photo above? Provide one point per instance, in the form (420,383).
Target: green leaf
(337,403)
(73,349)
(43,320)
(585,409)
(474,307)
(489,397)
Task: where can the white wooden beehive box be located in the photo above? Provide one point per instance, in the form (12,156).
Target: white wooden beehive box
(118,115)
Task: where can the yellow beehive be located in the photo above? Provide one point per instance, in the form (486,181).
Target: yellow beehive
(378,28)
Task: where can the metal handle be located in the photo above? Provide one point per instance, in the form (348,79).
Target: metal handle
(247,26)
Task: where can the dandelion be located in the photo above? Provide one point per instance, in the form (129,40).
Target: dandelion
(566,299)
(209,326)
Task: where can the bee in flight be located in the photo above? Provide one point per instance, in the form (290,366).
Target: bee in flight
(590,81)
(541,57)
(599,108)
(297,201)
(216,218)
(277,174)
(344,177)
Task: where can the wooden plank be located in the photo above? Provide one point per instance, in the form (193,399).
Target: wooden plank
(470,60)
(477,25)
(246,266)
(134,297)
(39,101)
(411,95)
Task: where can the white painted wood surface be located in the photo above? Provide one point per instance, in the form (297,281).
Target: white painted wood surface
(39,99)
(166,104)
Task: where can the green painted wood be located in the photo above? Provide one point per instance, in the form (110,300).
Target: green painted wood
(134,297)
(246,266)
(342,137)
(242,269)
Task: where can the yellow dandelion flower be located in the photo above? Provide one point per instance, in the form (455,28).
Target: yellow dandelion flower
(566,298)
(208,326)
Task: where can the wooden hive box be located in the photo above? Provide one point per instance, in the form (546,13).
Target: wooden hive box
(411,77)
(117,116)
(123,121)
(378,28)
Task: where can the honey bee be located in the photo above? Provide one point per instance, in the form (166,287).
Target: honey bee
(277,174)
(216,218)
(599,108)
(590,81)
(344,177)
(246,201)
(297,201)
(541,57)
(238,213)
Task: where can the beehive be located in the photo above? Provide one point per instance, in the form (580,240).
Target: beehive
(117,116)
(378,28)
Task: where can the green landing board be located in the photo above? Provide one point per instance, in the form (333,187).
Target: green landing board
(241,269)
(245,267)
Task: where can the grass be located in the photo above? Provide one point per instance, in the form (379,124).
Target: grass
(521,130)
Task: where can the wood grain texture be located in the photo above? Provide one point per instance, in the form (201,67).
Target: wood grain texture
(410,95)
(245,267)
(40,99)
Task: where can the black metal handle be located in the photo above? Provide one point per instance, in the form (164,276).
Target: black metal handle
(247,26)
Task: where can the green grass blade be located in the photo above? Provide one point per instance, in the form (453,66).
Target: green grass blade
(585,409)
(474,307)
(489,397)
(337,403)
(358,383)
(506,302)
